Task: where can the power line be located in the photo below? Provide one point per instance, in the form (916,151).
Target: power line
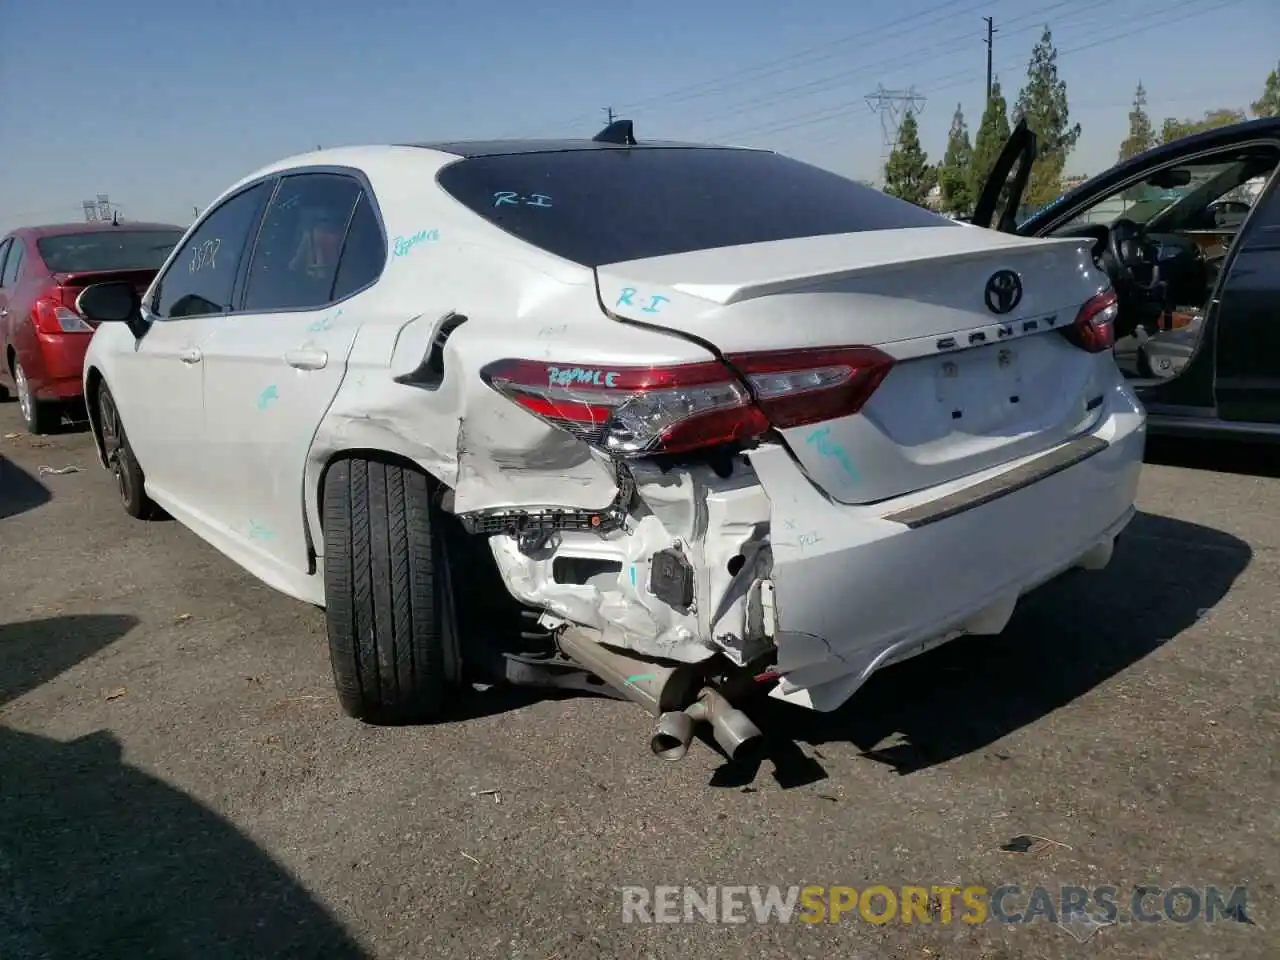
(957,44)
(769,68)
(953,79)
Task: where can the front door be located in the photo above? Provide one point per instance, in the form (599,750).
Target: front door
(273,369)
(1247,387)
(158,383)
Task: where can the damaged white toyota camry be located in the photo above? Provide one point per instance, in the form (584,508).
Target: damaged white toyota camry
(719,422)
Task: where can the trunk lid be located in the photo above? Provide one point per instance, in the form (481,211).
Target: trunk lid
(972,387)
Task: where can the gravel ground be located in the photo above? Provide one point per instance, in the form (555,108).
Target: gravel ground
(176,779)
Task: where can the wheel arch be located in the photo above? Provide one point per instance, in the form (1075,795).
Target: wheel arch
(318,474)
(93,380)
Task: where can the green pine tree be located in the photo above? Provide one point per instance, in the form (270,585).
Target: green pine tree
(1175,129)
(1043,102)
(1142,136)
(907,174)
(953,175)
(993,132)
(1269,103)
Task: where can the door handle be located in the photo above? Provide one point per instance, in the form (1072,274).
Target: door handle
(307,359)
(191,355)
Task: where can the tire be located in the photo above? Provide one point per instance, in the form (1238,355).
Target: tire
(130,480)
(388,602)
(39,416)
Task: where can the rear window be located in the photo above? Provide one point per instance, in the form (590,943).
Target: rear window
(107,250)
(599,206)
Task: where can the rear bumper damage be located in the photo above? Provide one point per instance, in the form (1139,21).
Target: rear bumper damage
(762,565)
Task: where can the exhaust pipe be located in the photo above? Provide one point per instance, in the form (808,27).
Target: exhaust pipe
(733,730)
(662,690)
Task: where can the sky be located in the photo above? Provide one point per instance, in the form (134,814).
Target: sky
(162,105)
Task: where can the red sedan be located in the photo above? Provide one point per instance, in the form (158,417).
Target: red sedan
(42,337)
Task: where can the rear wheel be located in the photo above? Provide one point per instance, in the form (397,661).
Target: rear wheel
(130,480)
(39,416)
(387,597)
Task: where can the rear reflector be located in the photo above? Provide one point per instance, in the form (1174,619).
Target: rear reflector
(1095,325)
(639,411)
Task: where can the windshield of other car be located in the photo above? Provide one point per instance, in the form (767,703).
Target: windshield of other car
(107,250)
(598,206)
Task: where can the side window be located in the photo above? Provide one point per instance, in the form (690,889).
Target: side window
(17,253)
(202,276)
(296,258)
(363,254)
(4,249)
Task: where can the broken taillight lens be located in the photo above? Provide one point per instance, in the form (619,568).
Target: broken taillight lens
(1095,325)
(636,411)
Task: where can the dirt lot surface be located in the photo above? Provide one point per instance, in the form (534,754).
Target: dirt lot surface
(176,779)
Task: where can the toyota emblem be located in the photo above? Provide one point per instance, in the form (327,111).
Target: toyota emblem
(1003,292)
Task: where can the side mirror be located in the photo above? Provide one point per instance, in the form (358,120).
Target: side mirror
(115,301)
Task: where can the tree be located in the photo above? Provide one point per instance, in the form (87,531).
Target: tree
(1043,102)
(1268,105)
(1142,136)
(1175,129)
(953,175)
(907,174)
(993,132)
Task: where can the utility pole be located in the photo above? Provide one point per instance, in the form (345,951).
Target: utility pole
(891,105)
(991,32)
(608,112)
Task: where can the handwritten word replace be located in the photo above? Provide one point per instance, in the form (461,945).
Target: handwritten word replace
(570,376)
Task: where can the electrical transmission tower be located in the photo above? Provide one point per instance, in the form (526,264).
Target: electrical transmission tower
(892,105)
(99,209)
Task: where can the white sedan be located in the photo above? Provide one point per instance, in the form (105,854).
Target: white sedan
(719,421)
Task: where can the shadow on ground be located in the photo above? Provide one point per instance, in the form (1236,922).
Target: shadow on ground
(19,490)
(98,859)
(1255,459)
(1063,641)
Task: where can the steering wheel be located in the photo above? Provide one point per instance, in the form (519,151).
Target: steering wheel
(1124,243)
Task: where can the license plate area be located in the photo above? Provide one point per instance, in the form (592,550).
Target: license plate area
(980,390)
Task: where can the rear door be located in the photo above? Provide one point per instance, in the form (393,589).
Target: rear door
(273,367)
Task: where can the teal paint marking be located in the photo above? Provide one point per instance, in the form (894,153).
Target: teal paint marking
(324,323)
(258,532)
(267,395)
(403,245)
(633,576)
(821,440)
(637,677)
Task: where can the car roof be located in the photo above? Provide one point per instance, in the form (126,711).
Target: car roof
(469,149)
(36,231)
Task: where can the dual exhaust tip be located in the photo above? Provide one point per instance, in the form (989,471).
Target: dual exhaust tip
(736,735)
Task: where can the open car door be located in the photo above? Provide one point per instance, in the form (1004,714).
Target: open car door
(997,207)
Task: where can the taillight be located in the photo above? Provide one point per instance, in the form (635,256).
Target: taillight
(1095,325)
(795,387)
(635,411)
(52,316)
